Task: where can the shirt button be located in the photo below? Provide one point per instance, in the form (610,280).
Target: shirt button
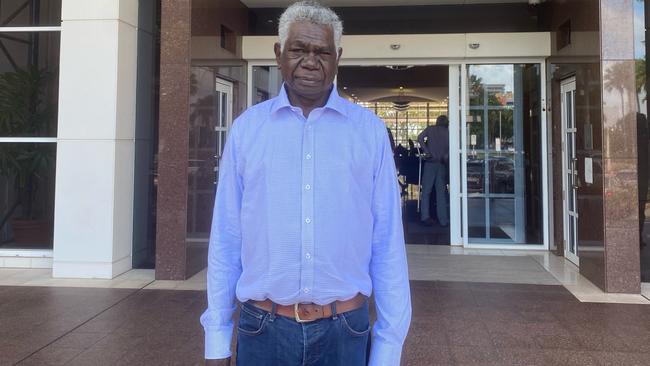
(307,187)
(308,220)
(308,256)
(308,156)
(306,290)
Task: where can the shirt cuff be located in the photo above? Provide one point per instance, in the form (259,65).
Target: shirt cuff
(217,343)
(384,354)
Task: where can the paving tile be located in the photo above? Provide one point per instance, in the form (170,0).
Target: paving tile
(454,323)
(621,358)
(51,356)
(435,355)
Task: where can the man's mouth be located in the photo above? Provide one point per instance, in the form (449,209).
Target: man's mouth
(307,80)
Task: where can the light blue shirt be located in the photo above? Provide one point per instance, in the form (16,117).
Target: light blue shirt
(308,210)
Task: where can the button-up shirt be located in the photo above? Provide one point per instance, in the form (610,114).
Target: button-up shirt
(308,210)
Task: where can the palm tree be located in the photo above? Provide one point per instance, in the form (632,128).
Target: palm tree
(615,79)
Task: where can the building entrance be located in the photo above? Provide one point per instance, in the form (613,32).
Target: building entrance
(494,191)
(502,155)
(411,100)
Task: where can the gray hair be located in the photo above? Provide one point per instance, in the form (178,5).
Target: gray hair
(313,12)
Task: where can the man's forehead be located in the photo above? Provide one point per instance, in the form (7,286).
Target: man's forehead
(307,32)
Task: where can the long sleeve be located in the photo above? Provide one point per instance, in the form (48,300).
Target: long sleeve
(423,144)
(224,256)
(388,266)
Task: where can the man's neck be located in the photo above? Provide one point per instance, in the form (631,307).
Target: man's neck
(307,104)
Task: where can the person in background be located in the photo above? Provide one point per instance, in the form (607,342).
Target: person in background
(434,141)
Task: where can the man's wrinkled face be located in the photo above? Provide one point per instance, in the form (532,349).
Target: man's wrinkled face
(309,60)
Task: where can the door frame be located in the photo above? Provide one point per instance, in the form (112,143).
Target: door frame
(226,87)
(546,205)
(566,85)
(457,128)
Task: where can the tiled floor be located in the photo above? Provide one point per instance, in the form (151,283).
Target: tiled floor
(426,262)
(645,290)
(454,323)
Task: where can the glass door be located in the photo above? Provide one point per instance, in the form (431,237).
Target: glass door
(569,170)
(210,119)
(224,120)
(502,137)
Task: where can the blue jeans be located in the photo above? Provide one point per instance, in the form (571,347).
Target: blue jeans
(267,339)
(434,176)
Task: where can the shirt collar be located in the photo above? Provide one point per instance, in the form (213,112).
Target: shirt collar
(334,102)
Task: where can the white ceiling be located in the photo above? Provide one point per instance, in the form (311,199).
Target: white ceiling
(342,3)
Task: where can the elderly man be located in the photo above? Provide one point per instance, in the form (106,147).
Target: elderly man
(307,220)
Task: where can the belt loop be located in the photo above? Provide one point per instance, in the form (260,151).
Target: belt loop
(274,308)
(334,314)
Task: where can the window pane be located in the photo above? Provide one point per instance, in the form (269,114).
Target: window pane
(502,219)
(267,81)
(205,106)
(29,82)
(504,161)
(476,218)
(502,173)
(26,195)
(18,13)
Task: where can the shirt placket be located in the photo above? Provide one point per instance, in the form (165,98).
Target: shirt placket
(308,158)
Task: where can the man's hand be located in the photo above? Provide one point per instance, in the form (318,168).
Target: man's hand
(220,362)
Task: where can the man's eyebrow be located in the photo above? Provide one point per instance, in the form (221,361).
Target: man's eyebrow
(297,43)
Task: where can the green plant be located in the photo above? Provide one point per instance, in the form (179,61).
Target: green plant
(25,110)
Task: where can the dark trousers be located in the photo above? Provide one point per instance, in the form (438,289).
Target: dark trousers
(434,177)
(267,339)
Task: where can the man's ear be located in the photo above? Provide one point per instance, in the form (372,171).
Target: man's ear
(278,52)
(340,53)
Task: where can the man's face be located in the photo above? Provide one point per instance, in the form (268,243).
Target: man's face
(309,60)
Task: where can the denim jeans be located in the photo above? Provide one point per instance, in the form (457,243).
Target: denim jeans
(434,176)
(267,339)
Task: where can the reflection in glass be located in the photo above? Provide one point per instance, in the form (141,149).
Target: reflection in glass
(502,173)
(501,130)
(503,137)
(643,133)
(204,112)
(26,195)
(476,217)
(29,84)
(476,174)
(211,113)
(21,13)
(267,81)
(502,218)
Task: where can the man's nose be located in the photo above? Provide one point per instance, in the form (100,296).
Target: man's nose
(310,61)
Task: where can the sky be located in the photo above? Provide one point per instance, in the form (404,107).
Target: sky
(639,30)
(495,74)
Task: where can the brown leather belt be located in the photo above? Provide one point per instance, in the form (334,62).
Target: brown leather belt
(310,312)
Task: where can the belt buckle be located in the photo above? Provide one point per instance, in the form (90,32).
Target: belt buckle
(297,316)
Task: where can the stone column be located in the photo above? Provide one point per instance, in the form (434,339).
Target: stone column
(173,140)
(622,272)
(93,226)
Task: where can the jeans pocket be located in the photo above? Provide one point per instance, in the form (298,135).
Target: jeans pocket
(251,321)
(356,322)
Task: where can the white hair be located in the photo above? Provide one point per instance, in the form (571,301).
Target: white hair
(313,12)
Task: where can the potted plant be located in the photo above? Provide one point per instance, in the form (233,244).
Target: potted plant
(25,110)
